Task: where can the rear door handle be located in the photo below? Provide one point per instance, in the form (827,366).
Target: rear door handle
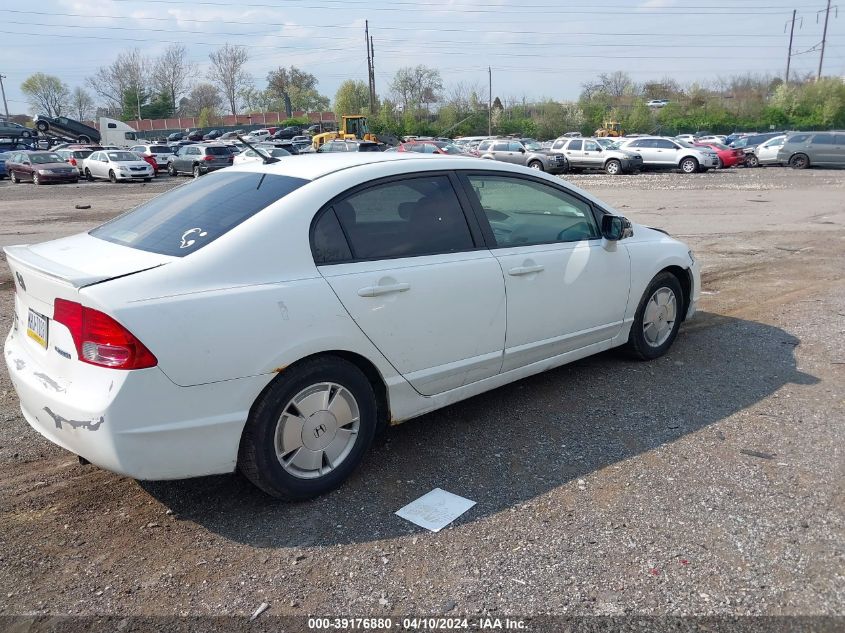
(526,270)
(375,291)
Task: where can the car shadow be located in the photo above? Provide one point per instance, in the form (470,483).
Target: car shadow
(512,444)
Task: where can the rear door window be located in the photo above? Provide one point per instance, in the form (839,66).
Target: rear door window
(404,218)
(822,139)
(575,145)
(183,220)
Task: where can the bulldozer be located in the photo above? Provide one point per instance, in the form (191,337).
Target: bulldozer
(610,128)
(351,127)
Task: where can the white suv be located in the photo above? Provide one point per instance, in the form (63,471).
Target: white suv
(273,317)
(665,153)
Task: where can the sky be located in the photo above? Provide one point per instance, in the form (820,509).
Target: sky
(536,48)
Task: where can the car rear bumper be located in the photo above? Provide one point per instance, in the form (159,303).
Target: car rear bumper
(135,423)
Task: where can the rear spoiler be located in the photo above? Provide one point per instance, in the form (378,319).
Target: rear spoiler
(22,254)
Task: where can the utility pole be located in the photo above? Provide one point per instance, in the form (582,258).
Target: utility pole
(489,101)
(824,37)
(789,55)
(369,62)
(373,96)
(3,90)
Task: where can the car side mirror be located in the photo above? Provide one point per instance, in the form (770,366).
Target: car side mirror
(599,148)
(521,150)
(616,227)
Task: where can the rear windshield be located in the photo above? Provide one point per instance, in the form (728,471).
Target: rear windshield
(82,153)
(217,151)
(183,220)
(160,149)
(371,147)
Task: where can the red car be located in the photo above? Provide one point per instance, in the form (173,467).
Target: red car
(150,159)
(40,168)
(431,147)
(728,156)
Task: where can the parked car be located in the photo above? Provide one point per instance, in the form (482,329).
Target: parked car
(711,138)
(40,168)
(256,136)
(288,132)
(666,153)
(301,142)
(750,141)
(208,352)
(210,136)
(176,136)
(286,145)
(728,156)
(431,147)
(228,136)
(813,149)
(657,103)
(686,138)
(4,156)
(511,151)
(117,165)
(66,127)
(162,154)
(150,160)
(199,159)
(75,157)
(765,153)
(588,153)
(349,146)
(194,135)
(251,156)
(14,131)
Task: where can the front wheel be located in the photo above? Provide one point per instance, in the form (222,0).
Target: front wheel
(310,430)
(658,318)
(112,176)
(536,164)
(689,165)
(799,161)
(719,164)
(751,160)
(613,167)
(36,180)
(42,126)
(88,175)
(171,170)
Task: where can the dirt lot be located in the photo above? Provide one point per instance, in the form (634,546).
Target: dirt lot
(708,482)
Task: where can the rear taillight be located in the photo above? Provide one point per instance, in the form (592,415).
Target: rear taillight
(209,157)
(72,161)
(100,340)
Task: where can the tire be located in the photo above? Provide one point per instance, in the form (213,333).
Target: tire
(88,175)
(14,178)
(751,160)
(799,161)
(42,126)
(197,172)
(613,167)
(536,164)
(659,312)
(719,163)
(35,179)
(688,165)
(112,177)
(75,181)
(26,134)
(83,139)
(269,439)
(171,170)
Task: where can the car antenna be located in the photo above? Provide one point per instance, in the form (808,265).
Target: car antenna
(267,159)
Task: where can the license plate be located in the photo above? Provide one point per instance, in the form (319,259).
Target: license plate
(36,328)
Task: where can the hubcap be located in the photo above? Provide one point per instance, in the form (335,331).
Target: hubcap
(612,168)
(659,317)
(317,430)
(535,165)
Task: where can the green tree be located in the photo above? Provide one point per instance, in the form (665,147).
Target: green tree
(640,119)
(352,97)
(298,87)
(205,116)
(46,94)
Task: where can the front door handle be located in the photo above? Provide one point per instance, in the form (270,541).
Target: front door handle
(375,291)
(526,270)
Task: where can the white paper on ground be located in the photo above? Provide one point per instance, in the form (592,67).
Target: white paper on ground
(435,510)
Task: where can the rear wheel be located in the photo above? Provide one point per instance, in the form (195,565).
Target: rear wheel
(310,429)
(751,160)
(658,318)
(112,176)
(42,126)
(84,139)
(536,164)
(689,165)
(799,161)
(197,172)
(613,167)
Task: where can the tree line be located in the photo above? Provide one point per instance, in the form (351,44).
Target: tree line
(417,100)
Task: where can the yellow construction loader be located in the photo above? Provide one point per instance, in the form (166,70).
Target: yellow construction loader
(610,128)
(351,127)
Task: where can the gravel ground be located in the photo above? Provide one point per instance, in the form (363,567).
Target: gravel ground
(708,482)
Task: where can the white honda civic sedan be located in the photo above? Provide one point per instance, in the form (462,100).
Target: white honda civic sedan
(272,318)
